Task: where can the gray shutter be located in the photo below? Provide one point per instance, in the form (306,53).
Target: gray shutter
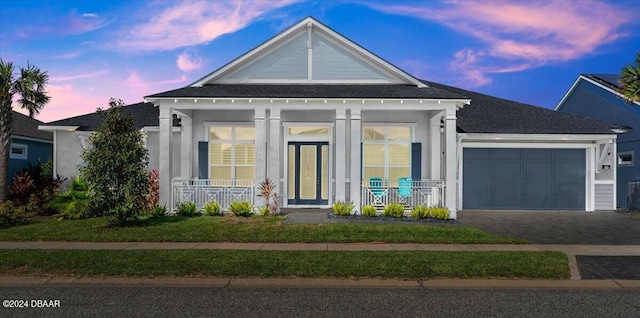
(416,161)
(203,160)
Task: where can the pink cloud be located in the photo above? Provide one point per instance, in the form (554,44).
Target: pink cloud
(189,60)
(71,24)
(187,23)
(520,35)
(77,76)
(67,101)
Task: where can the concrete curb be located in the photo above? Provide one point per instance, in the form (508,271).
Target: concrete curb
(215,282)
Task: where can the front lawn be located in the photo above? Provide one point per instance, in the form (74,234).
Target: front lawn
(234,263)
(232,229)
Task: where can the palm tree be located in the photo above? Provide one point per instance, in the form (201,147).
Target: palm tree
(630,81)
(29,86)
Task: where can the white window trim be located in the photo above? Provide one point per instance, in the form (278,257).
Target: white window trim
(387,143)
(25,151)
(232,141)
(626,163)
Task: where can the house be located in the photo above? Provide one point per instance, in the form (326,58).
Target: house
(28,144)
(329,121)
(596,96)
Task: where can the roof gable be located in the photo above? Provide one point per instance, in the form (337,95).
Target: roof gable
(308,53)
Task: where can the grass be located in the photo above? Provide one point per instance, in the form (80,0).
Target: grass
(233,229)
(235,263)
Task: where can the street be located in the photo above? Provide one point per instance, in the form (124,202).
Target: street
(308,302)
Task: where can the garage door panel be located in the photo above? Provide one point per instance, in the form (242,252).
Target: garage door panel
(538,154)
(528,179)
(479,174)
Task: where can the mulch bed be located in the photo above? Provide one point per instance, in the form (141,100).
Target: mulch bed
(383,218)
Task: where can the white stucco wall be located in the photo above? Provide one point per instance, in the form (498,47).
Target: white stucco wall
(68,155)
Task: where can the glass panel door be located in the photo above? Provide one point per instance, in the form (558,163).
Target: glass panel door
(308,180)
(308,172)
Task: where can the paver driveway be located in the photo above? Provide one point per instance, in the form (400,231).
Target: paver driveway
(558,227)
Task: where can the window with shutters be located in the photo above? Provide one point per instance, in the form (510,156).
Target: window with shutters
(231,153)
(386,153)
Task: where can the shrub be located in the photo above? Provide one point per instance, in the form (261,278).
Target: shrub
(12,215)
(21,187)
(369,210)
(267,192)
(153,196)
(420,212)
(75,210)
(116,166)
(73,204)
(264,211)
(159,211)
(394,209)
(341,208)
(187,209)
(241,208)
(212,208)
(43,190)
(441,213)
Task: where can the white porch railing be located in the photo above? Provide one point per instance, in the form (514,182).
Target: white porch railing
(423,192)
(201,191)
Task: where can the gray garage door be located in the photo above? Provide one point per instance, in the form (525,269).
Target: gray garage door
(523,179)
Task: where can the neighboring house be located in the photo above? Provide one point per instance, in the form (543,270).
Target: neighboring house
(28,144)
(329,121)
(596,96)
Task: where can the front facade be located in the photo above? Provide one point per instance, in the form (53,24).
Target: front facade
(329,121)
(596,96)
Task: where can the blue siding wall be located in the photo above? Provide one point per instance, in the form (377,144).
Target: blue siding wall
(36,150)
(591,101)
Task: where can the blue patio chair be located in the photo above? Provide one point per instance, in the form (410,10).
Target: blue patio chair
(377,190)
(405,189)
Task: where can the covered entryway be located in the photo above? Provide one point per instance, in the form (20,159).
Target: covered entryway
(308,173)
(523,179)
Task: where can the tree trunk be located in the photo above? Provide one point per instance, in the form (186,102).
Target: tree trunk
(6,127)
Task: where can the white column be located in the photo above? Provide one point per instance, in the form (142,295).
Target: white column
(435,149)
(273,171)
(165,146)
(186,147)
(260,145)
(451,162)
(341,156)
(355,167)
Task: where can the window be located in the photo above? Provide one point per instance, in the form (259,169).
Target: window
(386,153)
(231,153)
(18,151)
(625,158)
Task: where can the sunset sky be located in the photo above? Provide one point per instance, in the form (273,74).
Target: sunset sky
(528,51)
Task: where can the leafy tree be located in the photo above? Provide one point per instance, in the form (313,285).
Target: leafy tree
(29,85)
(630,81)
(115,166)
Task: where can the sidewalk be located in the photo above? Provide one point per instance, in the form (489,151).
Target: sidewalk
(570,250)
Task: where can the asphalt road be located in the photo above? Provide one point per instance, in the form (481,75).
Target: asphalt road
(268,302)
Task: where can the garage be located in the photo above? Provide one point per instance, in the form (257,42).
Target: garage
(523,179)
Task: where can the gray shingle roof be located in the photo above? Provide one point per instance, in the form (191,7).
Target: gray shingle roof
(145,114)
(28,127)
(488,114)
(609,80)
(310,91)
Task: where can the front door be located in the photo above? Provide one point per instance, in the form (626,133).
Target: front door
(308,173)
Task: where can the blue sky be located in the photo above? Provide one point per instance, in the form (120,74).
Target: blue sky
(528,51)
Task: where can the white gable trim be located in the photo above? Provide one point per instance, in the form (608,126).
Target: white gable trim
(305,26)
